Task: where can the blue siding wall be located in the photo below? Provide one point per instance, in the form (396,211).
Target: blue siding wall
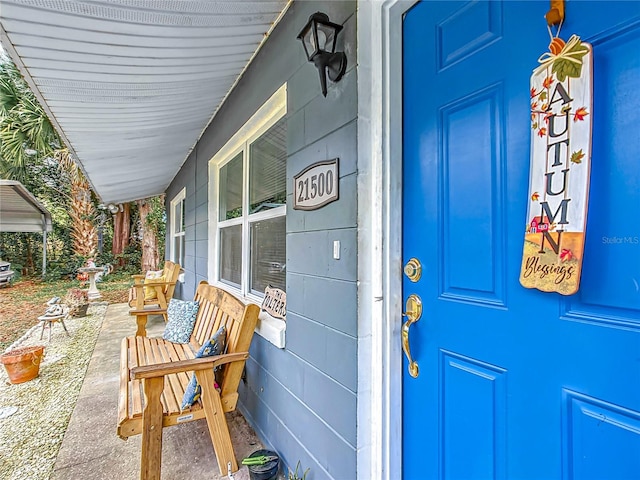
(302,399)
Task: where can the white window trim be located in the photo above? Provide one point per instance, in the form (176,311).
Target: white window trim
(180,196)
(272,329)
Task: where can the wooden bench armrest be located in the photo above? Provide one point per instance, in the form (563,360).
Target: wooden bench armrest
(138,286)
(162,369)
(148,311)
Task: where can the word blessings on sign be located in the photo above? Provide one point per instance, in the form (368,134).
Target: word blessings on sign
(561,105)
(275,302)
(316,185)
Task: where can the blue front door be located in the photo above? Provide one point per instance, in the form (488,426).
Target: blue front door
(515,383)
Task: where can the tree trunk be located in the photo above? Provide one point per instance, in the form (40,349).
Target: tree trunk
(30,262)
(150,257)
(84,232)
(121,231)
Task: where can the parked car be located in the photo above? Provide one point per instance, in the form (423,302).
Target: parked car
(6,274)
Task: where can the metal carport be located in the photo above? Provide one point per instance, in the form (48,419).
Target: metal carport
(20,211)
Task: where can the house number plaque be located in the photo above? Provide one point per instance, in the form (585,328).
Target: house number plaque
(316,185)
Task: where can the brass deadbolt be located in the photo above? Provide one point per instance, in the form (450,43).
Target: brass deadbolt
(413,269)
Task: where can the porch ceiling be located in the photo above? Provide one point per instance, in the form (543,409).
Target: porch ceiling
(132,84)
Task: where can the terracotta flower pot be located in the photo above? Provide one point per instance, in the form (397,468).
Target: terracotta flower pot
(23,364)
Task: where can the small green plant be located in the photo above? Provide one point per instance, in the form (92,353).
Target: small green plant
(295,476)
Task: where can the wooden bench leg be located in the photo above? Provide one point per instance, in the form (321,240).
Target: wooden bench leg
(216,421)
(141,320)
(152,429)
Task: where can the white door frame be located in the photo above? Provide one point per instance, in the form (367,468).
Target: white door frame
(379,444)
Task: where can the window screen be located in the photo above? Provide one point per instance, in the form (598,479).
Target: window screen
(230,185)
(231,254)
(268,169)
(268,254)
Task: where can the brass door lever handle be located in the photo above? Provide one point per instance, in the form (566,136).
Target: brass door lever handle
(413,313)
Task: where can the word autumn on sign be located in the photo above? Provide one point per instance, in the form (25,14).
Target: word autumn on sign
(561,104)
(275,302)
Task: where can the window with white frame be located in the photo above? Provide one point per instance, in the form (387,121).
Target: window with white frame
(178,228)
(251,207)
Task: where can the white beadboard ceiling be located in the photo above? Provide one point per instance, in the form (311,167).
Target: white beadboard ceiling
(132,84)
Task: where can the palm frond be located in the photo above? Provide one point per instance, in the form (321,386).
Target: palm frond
(9,95)
(9,171)
(67,163)
(12,142)
(36,126)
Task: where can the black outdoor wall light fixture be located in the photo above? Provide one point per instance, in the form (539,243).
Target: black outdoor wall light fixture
(319,37)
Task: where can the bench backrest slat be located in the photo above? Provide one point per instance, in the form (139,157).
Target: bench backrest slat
(218,308)
(170,272)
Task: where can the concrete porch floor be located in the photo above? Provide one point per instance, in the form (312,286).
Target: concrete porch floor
(91,448)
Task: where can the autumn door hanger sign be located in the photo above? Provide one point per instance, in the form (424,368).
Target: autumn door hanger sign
(561,104)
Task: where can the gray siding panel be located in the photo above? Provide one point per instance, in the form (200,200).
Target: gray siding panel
(184,179)
(189,261)
(201,266)
(202,231)
(201,198)
(327,349)
(299,92)
(199,278)
(201,248)
(295,133)
(311,253)
(348,41)
(332,112)
(322,394)
(279,363)
(201,173)
(202,214)
(190,211)
(334,301)
(316,389)
(188,288)
(177,292)
(339,144)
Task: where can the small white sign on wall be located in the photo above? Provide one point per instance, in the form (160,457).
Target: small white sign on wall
(316,185)
(275,302)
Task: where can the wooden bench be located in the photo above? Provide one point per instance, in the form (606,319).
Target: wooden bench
(154,374)
(141,308)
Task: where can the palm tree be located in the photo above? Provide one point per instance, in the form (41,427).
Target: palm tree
(24,126)
(82,212)
(26,131)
